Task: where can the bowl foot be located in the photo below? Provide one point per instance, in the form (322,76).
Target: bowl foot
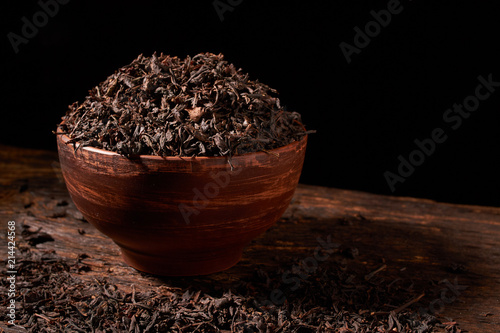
(182,264)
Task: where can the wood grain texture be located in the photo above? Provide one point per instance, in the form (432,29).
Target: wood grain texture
(181,216)
(418,240)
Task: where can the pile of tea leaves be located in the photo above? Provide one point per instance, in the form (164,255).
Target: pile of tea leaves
(167,106)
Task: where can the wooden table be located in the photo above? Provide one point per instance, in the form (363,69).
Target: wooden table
(416,239)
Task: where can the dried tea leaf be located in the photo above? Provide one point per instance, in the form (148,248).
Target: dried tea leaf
(167,106)
(195,113)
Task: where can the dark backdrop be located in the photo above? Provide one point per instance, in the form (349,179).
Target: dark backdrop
(395,89)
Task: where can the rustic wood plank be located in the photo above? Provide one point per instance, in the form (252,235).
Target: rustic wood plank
(411,239)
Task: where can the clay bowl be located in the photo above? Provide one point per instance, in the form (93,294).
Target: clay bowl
(178,216)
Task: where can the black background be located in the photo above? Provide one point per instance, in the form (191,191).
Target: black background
(366,113)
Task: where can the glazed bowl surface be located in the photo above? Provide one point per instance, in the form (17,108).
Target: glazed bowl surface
(181,216)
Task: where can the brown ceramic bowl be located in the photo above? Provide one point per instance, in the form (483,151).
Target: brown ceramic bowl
(181,216)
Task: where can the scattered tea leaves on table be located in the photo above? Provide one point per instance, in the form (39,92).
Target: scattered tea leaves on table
(55,295)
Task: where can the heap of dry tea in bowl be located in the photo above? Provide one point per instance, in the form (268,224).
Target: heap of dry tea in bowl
(167,106)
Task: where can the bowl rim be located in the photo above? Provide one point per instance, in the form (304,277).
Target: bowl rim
(64,138)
